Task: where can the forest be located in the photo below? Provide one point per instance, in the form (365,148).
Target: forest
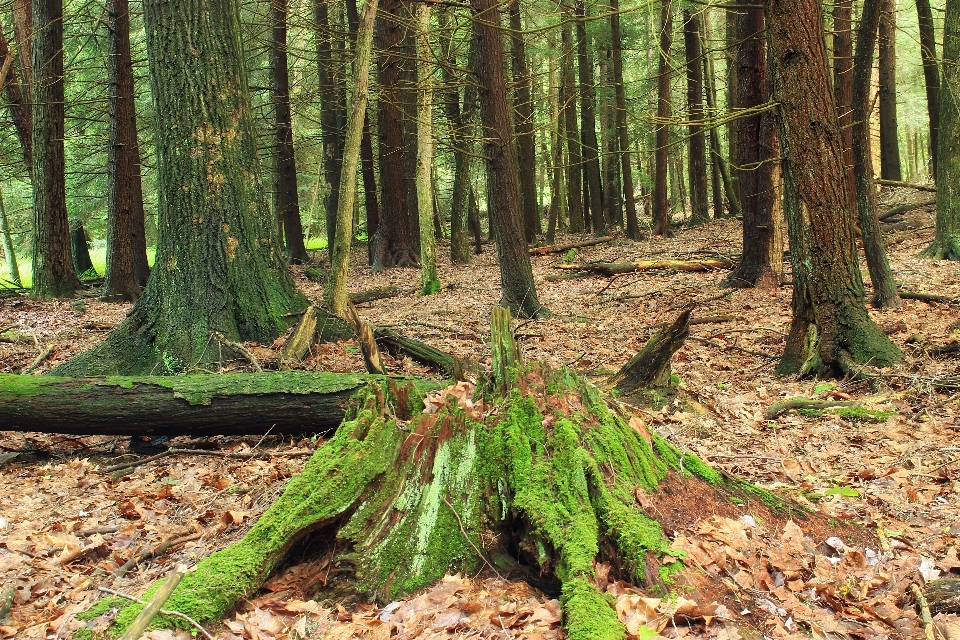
(595,320)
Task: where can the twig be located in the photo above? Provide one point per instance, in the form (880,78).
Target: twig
(924,611)
(467,537)
(804,403)
(759,354)
(159,550)
(735,456)
(92,532)
(40,358)
(927,297)
(6,601)
(239,348)
(152,608)
(165,612)
(127,465)
(204,452)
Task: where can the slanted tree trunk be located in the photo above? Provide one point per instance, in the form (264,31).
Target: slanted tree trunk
(884,286)
(429,281)
(946,244)
(331,135)
(697,157)
(661,212)
(761,263)
(80,249)
(286,201)
(931,74)
(122,167)
(889,134)
(523,125)
(623,136)
(568,105)
(219,269)
(843,85)
(589,147)
(19,109)
(831,327)
(53,272)
(10,255)
(503,190)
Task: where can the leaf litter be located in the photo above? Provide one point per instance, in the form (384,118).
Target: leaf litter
(885,487)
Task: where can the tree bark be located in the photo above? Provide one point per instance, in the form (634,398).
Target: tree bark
(13,269)
(623,136)
(461,139)
(831,327)
(218,266)
(661,213)
(429,281)
(843,85)
(123,167)
(719,159)
(523,115)
(946,244)
(889,134)
(330,131)
(931,74)
(503,191)
(589,147)
(697,156)
(884,286)
(568,105)
(286,201)
(53,272)
(19,108)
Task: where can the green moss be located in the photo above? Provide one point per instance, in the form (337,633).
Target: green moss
(668,570)
(83,634)
(102,606)
(864,339)
(587,614)
(862,413)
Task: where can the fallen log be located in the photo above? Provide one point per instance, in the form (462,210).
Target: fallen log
(618,268)
(927,297)
(395,342)
(904,208)
(377,293)
(196,405)
(906,185)
(560,248)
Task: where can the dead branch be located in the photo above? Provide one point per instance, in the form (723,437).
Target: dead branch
(560,248)
(239,348)
(804,403)
(39,360)
(157,551)
(904,208)
(906,185)
(617,268)
(378,293)
(927,297)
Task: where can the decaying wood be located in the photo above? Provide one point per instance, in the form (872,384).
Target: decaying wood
(650,367)
(150,611)
(154,552)
(206,634)
(927,297)
(238,348)
(44,354)
(943,595)
(560,248)
(298,344)
(196,405)
(503,347)
(904,208)
(925,617)
(618,268)
(377,293)
(906,185)
(6,600)
(368,344)
(423,353)
(804,403)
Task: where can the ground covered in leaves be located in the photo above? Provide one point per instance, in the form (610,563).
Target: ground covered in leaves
(886,479)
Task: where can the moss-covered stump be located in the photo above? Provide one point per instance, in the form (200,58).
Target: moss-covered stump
(547,476)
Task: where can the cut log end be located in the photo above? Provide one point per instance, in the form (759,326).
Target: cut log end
(650,367)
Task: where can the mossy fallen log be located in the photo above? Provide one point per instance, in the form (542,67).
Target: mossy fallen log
(196,405)
(544,475)
(618,268)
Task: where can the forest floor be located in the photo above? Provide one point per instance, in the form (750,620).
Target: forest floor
(891,477)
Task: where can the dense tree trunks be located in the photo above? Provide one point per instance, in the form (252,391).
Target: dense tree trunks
(336,292)
(22,31)
(461,138)
(429,281)
(719,159)
(884,286)
(220,275)
(408,107)
(761,264)
(556,215)
(831,326)
(568,105)
(392,244)
(53,272)
(661,213)
(523,123)
(330,131)
(18,107)
(609,164)
(843,85)
(123,165)
(731,45)
(623,135)
(10,255)
(503,189)
(196,405)
(589,147)
(286,201)
(889,135)
(931,75)
(946,244)
(697,156)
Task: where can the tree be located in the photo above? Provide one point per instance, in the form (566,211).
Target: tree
(523,115)
(589,147)
(503,190)
(126,242)
(696,159)
(429,282)
(623,137)
(286,201)
(831,327)
(889,136)
(884,286)
(757,148)
(19,108)
(946,244)
(10,256)
(219,274)
(661,215)
(53,272)
(931,75)
(568,106)
(843,84)
(330,130)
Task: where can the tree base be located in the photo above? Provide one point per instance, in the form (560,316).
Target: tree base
(943,248)
(548,477)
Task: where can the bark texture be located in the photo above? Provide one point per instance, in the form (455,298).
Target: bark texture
(843,84)
(661,212)
(589,147)
(523,118)
(889,135)
(931,76)
(623,135)
(568,105)
(697,156)
(330,130)
(17,105)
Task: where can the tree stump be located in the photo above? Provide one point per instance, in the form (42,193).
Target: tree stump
(650,367)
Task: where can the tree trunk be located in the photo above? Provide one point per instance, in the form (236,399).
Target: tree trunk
(761,263)
(931,75)
(719,160)
(23,33)
(286,201)
(661,213)
(843,85)
(623,135)
(831,326)
(731,46)
(461,138)
(19,109)
(123,168)
(523,115)
(889,138)
(330,132)
(53,272)
(408,105)
(392,245)
(218,266)
(336,293)
(884,286)
(80,249)
(196,405)
(13,269)
(589,147)
(568,106)
(429,281)
(503,191)
(697,157)
(556,214)
(946,244)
